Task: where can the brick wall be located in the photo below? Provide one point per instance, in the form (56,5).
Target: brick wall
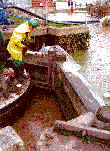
(38,3)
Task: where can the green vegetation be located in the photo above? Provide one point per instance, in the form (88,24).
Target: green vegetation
(58,25)
(106,127)
(18,20)
(2,66)
(81,9)
(106,22)
(88,139)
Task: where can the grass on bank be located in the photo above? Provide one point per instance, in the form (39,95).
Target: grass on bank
(106,22)
(19,20)
(58,25)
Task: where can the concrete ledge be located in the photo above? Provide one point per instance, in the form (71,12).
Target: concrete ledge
(85,91)
(101,134)
(75,29)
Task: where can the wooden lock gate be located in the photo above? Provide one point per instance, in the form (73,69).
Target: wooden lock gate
(43,66)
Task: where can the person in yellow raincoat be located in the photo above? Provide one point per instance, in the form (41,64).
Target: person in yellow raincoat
(16,46)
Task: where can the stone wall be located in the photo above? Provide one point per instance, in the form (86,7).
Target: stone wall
(70,43)
(69,38)
(72,106)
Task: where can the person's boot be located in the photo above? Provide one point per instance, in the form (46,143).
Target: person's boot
(16,73)
(22,74)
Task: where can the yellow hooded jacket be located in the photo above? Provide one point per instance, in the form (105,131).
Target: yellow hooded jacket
(15,47)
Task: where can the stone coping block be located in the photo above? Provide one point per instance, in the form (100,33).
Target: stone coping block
(43,56)
(38,31)
(82,87)
(10,141)
(85,130)
(35,57)
(75,29)
(83,124)
(85,119)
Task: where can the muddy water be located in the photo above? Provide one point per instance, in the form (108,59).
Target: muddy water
(95,61)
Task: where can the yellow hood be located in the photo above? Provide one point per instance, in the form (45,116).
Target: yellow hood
(23,28)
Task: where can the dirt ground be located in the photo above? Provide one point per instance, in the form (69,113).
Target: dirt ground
(35,127)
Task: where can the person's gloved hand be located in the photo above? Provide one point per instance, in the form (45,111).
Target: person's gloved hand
(28,42)
(24,51)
